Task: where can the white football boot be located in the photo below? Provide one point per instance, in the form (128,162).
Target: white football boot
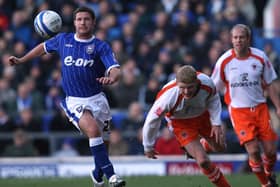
(116,181)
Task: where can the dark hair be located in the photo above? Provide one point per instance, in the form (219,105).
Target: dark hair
(84,9)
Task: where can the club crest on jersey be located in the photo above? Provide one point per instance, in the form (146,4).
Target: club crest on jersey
(90,49)
(244,77)
(159,111)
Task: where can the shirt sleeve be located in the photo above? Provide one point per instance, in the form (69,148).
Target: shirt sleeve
(154,118)
(107,57)
(217,79)
(269,71)
(52,44)
(215,109)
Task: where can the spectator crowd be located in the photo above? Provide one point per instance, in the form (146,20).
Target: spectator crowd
(150,39)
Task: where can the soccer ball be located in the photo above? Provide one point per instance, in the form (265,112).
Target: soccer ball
(47,23)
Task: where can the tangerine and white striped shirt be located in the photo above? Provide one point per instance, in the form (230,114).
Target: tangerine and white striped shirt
(243,80)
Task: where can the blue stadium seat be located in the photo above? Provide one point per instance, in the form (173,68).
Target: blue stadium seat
(122,19)
(276,44)
(114,33)
(258,42)
(117,119)
(46,122)
(225,114)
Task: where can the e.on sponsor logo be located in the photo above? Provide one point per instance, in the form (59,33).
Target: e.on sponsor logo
(69,61)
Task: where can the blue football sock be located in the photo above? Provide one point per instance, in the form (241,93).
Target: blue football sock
(101,158)
(98,174)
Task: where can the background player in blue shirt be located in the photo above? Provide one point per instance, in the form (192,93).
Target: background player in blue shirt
(87,63)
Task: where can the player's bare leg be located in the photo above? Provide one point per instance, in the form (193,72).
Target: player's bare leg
(214,174)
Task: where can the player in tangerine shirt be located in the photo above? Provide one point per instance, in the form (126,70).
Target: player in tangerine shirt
(242,74)
(192,109)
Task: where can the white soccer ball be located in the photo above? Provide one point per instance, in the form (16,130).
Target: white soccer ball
(47,23)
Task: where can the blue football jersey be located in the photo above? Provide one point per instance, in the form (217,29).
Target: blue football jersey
(82,61)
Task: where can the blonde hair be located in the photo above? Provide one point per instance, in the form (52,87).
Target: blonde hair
(186,74)
(243,27)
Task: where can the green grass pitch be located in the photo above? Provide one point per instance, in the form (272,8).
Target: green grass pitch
(239,180)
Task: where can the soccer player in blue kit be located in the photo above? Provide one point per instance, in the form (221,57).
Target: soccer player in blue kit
(87,63)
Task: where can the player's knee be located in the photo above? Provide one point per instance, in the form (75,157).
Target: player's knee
(204,163)
(254,154)
(90,130)
(270,153)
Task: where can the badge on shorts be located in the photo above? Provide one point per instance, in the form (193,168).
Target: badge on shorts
(184,134)
(242,133)
(79,109)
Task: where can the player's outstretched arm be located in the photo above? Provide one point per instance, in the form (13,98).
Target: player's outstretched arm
(35,52)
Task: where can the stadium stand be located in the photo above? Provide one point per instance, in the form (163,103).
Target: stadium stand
(153,34)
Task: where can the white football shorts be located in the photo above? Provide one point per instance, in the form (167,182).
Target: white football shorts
(97,104)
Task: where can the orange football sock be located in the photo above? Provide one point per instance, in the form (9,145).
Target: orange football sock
(268,163)
(259,172)
(215,176)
